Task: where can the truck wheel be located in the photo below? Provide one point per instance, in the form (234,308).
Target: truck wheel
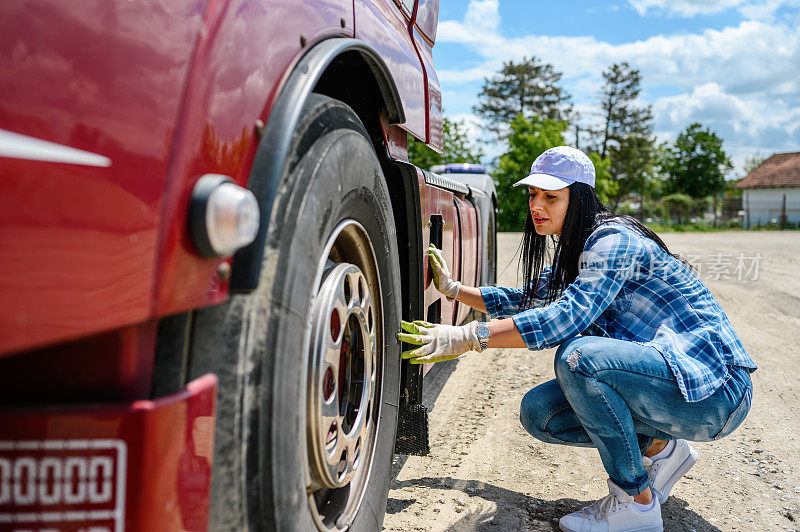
(309,366)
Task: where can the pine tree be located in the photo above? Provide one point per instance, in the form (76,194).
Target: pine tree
(627,137)
(754,161)
(530,88)
(621,115)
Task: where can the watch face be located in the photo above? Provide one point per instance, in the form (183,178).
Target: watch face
(482,331)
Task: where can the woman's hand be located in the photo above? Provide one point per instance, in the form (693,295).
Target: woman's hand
(439,342)
(441,274)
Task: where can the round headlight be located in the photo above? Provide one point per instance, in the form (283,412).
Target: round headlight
(223,216)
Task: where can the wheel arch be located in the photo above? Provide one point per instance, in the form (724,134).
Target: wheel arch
(351,71)
(319,68)
(368,102)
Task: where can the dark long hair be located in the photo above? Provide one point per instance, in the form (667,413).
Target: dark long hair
(585,212)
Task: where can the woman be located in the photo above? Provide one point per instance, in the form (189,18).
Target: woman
(646,357)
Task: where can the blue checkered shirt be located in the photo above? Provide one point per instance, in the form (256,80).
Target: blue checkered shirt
(629,288)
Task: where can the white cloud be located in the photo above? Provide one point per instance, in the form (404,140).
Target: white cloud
(765,9)
(758,9)
(706,103)
(684,8)
(741,80)
(743,122)
(483,15)
(470,124)
(751,57)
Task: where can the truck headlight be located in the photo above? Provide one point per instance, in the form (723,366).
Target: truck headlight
(223,217)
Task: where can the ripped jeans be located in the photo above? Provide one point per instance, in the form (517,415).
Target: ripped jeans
(617,396)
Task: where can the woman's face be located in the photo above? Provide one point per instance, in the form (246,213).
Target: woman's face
(548,209)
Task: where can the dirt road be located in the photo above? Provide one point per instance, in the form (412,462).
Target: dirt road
(485,472)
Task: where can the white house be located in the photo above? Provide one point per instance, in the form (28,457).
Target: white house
(772,191)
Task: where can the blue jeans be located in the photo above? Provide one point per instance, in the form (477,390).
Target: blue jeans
(617,396)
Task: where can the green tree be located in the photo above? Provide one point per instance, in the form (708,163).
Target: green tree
(529,88)
(696,163)
(622,116)
(632,166)
(457,148)
(753,162)
(604,185)
(656,185)
(627,136)
(677,204)
(529,137)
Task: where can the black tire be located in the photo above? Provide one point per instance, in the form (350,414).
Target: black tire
(258,344)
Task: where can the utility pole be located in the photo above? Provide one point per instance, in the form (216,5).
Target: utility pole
(714,206)
(783,213)
(747,210)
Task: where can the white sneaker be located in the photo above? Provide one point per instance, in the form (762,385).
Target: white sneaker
(665,472)
(614,513)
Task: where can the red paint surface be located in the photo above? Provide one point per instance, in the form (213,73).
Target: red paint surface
(168,447)
(437,201)
(239,66)
(383,25)
(469,258)
(427,18)
(396,140)
(79,242)
(433,96)
(90,249)
(459,246)
(112,366)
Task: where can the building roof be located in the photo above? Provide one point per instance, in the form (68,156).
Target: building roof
(780,170)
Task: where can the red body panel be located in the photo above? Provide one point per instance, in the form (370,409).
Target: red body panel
(396,140)
(433,95)
(112,366)
(382,24)
(240,63)
(435,201)
(427,18)
(459,246)
(469,259)
(89,249)
(79,242)
(160,454)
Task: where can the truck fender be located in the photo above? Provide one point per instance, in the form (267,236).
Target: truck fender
(273,148)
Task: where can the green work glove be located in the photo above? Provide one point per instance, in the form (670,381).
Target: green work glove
(441,274)
(439,342)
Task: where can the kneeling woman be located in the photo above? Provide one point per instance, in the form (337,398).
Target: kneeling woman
(646,357)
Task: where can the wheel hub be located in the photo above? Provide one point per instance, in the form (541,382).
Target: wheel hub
(343,351)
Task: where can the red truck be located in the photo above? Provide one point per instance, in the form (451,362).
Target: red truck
(210,232)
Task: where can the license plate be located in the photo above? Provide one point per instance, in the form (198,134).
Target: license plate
(62,485)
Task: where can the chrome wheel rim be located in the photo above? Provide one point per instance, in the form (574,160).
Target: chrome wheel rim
(344,376)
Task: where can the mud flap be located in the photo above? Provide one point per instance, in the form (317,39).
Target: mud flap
(412,430)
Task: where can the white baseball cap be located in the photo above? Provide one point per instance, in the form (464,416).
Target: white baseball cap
(559,167)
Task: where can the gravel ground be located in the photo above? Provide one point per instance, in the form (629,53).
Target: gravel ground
(485,472)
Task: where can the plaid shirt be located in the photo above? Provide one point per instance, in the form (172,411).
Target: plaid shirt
(629,288)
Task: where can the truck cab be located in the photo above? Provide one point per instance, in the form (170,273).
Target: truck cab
(212,231)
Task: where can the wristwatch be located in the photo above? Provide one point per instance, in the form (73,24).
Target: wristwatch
(482,332)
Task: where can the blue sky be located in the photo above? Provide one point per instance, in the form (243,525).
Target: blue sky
(733,65)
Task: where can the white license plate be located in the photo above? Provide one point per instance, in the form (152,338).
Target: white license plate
(62,485)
